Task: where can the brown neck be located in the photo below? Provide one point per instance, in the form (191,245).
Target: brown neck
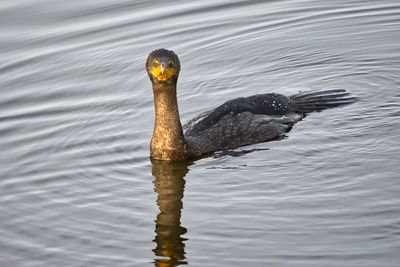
(168,142)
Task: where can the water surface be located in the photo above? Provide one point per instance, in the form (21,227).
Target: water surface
(77,187)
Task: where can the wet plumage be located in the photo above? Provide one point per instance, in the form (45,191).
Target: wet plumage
(238,122)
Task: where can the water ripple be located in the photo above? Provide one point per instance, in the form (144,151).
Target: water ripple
(77,187)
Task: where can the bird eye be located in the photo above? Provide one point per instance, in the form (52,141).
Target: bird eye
(155,62)
(170,64)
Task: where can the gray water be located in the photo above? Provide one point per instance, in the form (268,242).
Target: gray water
(77,187)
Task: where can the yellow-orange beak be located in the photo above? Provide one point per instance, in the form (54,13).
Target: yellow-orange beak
(162,73)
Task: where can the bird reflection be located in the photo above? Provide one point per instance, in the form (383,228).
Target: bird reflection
(169,184)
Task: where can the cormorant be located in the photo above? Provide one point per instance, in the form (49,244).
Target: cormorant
(238,122)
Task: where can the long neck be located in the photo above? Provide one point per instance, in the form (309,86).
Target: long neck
(168,142)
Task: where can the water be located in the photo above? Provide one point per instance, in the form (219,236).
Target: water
(77,186)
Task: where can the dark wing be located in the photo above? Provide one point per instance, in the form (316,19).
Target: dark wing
(190,125)
(235,130)
(256,119)
(266,104)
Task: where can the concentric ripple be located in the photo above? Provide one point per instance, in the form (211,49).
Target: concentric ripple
(77,187)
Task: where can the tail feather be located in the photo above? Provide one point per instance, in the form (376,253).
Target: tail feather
(305,102)
(315,93)
(324,97)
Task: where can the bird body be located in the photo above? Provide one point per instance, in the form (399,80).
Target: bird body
(238,122)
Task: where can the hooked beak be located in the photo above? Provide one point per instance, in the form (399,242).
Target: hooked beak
(162,72)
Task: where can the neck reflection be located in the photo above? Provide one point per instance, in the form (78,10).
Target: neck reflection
(169,184)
